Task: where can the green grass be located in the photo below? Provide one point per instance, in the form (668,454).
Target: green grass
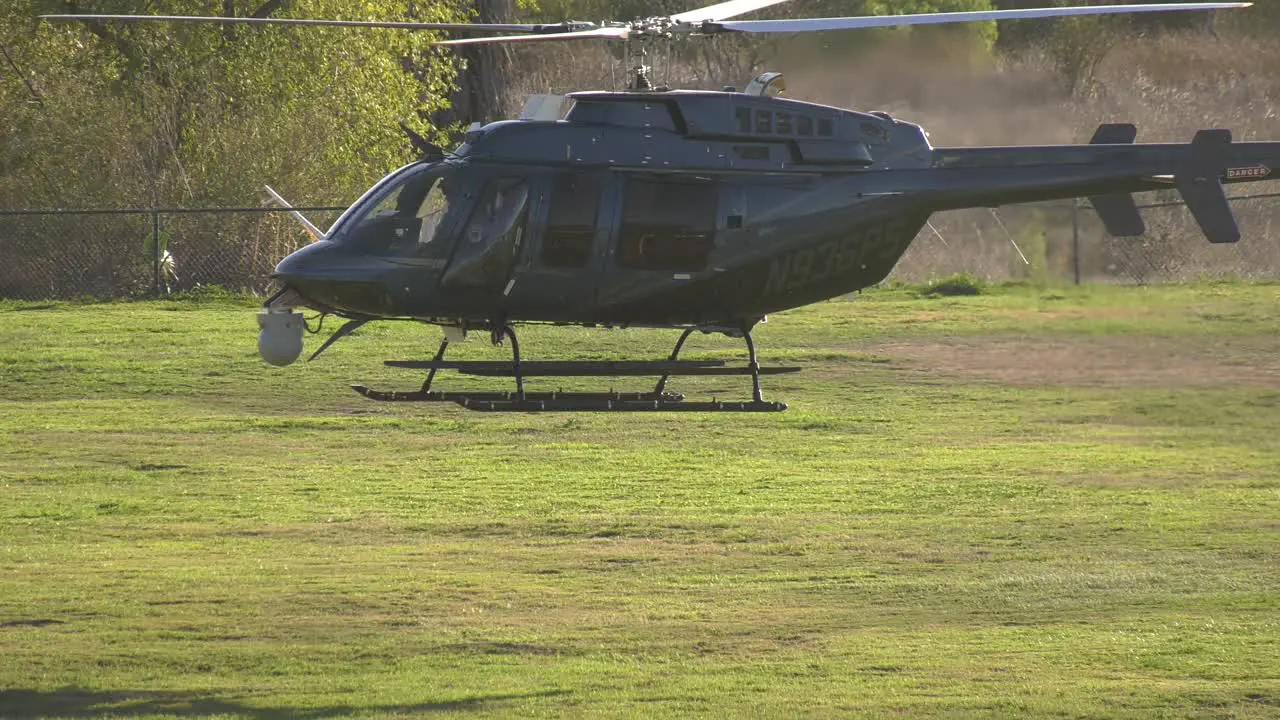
(185,531)
(953,285)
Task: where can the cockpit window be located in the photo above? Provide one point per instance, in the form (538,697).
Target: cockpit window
(431,211)
(402,215)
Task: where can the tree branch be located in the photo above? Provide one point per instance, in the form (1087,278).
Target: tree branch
(268,7)
(25,80)
(100,30)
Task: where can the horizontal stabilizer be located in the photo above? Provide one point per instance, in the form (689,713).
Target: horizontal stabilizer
(1199,179)
(1118,211)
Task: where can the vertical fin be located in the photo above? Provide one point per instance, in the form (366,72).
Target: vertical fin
(1199,179)
(1119,213)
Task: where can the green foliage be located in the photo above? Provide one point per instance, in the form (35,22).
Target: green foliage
(953,285)
(204,114)
(159,262)
(216,295)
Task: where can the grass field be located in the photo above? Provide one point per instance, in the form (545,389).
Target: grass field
(1060,503)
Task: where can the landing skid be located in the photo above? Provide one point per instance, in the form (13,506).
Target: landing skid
(463,398)
(559,401)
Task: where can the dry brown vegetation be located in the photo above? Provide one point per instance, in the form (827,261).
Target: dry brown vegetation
(1169,86)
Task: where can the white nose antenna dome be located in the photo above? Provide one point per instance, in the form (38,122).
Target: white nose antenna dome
(280,336)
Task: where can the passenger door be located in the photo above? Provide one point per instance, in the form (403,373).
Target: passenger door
(559,278)
(665,237)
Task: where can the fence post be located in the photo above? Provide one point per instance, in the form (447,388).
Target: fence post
(155,253)
(1075,237)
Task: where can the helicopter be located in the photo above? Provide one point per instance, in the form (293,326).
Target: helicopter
(697,210)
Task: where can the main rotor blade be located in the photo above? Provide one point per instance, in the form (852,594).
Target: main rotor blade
(723,11)
(455,27)
(881,21)
(608,33)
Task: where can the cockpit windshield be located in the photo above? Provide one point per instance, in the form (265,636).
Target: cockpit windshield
(400,215)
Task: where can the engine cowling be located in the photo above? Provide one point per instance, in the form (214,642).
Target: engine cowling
(280,336)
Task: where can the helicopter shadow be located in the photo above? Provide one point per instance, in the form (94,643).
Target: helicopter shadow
(72,702)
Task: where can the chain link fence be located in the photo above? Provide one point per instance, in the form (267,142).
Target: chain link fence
(58,254)
(1065,242)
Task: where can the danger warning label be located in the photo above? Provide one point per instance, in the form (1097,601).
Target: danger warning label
(1248,173)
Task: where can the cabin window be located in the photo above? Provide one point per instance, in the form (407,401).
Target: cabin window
(491,242)
(783,126)
(764,121)
(571,222)
(826,128)
(804,126)
(667,225)
(744,119)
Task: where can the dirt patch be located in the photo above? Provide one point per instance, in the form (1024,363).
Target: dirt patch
(1097,360)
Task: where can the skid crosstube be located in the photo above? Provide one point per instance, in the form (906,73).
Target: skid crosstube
(586,368)
(656,400)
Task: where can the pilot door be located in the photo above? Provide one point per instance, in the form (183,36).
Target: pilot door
(482,268)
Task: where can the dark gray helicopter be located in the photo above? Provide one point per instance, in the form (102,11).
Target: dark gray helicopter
(687,209)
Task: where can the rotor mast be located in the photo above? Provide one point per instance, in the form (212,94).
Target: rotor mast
(636,57)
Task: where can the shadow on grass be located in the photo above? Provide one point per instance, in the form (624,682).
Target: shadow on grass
(76,703)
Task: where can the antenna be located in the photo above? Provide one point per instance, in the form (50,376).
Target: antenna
(430,152)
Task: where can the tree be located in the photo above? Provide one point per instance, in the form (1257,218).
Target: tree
(206,113)
(481,92)
(158,114)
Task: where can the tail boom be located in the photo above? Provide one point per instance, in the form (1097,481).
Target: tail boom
(1108,171)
